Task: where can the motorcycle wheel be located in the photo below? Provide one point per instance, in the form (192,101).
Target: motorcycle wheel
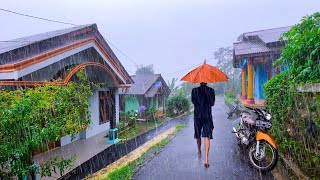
(267,158)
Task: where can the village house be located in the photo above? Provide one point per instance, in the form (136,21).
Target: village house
(43,58)
(254,53)
(147,91)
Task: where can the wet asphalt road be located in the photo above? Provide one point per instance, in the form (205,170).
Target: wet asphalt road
(179,160)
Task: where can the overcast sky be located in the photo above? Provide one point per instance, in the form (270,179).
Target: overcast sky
(170,34)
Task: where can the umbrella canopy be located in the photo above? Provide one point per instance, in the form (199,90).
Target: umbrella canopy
(205,73)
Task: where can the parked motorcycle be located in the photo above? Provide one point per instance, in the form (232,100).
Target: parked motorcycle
(234,110)
(251,133)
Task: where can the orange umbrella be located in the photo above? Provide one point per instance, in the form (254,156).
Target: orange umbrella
(205,73)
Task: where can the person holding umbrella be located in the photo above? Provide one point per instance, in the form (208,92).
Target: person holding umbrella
(203,98)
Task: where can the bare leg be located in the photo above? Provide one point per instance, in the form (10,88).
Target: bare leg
(207,147)
(199,147)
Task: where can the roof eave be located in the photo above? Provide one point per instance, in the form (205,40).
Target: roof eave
(237,58)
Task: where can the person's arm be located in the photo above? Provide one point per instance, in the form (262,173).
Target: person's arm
(213,97)
(193,96)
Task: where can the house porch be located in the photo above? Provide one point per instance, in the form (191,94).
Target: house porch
(84,149)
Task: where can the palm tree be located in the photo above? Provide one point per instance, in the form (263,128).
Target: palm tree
(172,86)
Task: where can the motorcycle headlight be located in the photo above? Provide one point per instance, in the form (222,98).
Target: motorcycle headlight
(268,117)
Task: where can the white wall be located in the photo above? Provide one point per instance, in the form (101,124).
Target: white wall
(117,105)
(95,127)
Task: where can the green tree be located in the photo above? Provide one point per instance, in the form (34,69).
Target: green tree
(224,57)
(172,86)
(186,89)
(145,70)
(302,50)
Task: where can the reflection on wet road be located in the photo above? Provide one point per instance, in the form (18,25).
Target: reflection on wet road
(178,160)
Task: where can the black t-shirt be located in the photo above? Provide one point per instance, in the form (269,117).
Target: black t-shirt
(203,98)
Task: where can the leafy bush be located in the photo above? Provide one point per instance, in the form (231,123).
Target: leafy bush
(150,114)
(131,118)
(296,123)
(33,117)
(177,105)
(296,120)
(57,164)
(230,96)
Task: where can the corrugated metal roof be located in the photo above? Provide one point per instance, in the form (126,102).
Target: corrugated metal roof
(257,41)
(154,89)
(16,50)
(248,47)
(24,41)
(269,35)
(142,83)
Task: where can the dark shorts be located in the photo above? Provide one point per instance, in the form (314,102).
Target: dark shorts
(203,128)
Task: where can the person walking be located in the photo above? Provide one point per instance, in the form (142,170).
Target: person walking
(203,98)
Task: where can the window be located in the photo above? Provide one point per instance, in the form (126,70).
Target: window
(160,99)
(107,109)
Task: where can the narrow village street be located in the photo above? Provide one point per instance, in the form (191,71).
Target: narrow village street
(178,160)
(108,90)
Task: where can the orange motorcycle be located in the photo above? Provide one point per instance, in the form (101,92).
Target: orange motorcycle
(251,133)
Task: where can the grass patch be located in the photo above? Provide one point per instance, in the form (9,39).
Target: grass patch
(126,172)
(230,99)
(158,147)
(180,126)
(140,128)
(230,96)
(121,173)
